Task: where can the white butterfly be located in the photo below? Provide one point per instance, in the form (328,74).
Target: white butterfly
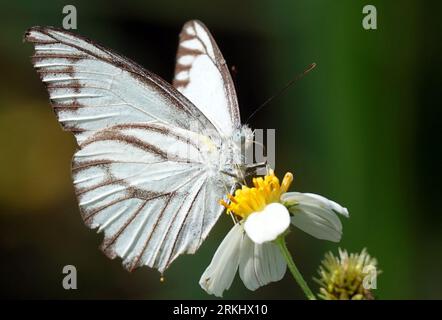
(153,159)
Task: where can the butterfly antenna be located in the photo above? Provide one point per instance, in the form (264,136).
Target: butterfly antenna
(288,85)
(260,144)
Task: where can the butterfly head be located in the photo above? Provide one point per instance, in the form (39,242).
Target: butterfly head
(243,137)
(246,136)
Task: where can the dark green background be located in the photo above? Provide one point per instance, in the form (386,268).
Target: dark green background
(362,129)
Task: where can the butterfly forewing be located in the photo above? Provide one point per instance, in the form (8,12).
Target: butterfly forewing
(202,75)
(92,88)
(140,174)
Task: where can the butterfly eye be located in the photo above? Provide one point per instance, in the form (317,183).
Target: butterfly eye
(236,136)
(246,134)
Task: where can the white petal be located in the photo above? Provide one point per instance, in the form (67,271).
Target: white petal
(316,200)
(260,264)
(319,223)
(316,215)
(268,224)
(219,275)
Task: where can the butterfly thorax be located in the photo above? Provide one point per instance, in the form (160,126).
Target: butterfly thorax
(234,149)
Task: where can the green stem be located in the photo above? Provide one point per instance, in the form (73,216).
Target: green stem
(293,269)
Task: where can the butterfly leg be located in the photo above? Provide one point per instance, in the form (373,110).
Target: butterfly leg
(252,169)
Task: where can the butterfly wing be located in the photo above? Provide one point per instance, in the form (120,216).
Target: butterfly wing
(92,88)
(202,75)
(139,174)
(152,203)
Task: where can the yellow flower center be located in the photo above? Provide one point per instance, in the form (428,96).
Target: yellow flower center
(264,191)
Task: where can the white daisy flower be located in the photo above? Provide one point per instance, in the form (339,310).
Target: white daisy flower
(265,212)
(258,264)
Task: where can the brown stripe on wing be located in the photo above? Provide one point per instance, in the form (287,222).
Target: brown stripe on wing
(38,57)
(136,260)
(65,70)
(87,215)
(73,129)
(167,131)
(74,106)
(113,135)
(106,182)
(89,163)
(75,85)
(130,194)
(172,252)
(108,242)
(30,38)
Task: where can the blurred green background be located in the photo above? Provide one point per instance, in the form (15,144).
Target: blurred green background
(362,129)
